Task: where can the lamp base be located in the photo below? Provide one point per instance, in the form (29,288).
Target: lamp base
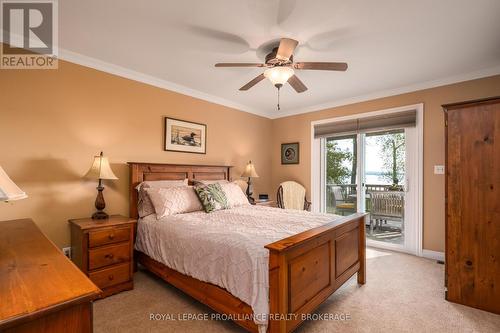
(100,204)
(100,215)
(249,191)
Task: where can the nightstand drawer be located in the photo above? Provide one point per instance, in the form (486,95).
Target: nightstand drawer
(109,255)
(110,276)
(108,236)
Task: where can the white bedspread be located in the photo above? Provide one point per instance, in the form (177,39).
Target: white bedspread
(226,247)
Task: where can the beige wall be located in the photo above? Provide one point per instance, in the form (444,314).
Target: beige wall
(53,121)
(298,128)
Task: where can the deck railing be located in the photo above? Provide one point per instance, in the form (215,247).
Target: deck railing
(350,189)
(346,193)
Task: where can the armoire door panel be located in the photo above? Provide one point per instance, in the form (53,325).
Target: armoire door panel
(472,204)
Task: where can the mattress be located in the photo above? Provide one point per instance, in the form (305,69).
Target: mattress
(226,247)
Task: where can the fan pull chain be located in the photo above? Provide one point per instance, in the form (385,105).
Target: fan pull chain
(278,98)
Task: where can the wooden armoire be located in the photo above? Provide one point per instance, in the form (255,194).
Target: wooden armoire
(473,203)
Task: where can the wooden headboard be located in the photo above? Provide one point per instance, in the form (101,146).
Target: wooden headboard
(140,172)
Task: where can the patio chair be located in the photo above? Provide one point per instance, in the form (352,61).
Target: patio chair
(386,206)
(340,201)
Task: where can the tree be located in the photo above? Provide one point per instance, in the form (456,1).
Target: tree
(393,156)
(337,172)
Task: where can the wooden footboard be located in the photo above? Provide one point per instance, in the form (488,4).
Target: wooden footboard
(305,269)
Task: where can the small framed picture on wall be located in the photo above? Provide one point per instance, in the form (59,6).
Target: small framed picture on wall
(185,136)
(290,153)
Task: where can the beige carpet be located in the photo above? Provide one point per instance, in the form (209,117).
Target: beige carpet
(403,294)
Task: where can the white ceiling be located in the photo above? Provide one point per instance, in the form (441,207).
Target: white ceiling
(391,46)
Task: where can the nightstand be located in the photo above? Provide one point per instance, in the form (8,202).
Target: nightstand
(268,203)
(103,250)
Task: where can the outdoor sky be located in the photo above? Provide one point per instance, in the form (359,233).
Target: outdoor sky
(372,151)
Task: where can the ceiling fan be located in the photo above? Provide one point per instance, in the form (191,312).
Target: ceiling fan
(280,67)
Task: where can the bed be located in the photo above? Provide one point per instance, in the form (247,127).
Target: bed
(300,270)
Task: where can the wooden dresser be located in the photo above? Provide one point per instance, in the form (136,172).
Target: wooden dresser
(103,250)
(40,289)
(472,203)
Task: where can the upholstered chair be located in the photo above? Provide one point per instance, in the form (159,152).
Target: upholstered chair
(292,195)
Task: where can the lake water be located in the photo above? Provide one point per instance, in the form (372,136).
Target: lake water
(376,180)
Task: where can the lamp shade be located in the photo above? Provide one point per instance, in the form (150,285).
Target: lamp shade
(8,189)
(250,171)
(100,169)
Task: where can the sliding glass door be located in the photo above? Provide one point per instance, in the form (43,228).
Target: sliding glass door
(384,178)
(368,172)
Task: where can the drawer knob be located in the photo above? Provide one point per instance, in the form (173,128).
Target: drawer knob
(111,277)
(109,256)
(111,236)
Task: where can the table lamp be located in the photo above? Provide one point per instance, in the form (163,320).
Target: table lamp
(8,189)
(100,170)
(250,173)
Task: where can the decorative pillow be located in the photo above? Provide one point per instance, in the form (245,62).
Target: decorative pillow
(173,200)
(234,194)
(212,197)
(144,205)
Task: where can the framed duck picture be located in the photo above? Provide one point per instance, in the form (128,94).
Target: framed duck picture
(185,136)
(290,153)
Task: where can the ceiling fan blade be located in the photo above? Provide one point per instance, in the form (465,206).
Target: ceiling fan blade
(253,82)
(321,66)
(285,9)
(286,48)
(217,41)
(297,84)
(238,64)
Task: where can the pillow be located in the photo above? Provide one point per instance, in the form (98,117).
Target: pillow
(173,200)
(242,184)
(144,205)
(212,197)
(234,194)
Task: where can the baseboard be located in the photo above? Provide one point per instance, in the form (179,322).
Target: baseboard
(433,255)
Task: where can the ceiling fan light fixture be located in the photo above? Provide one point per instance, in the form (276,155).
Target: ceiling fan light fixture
(278,75)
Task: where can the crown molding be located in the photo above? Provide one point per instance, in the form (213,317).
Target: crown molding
(392,92)
(164,84)
(103,66)
(113,69)
(110,68)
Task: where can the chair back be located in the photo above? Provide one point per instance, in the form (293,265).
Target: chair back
(387,204)
(292,195)
(338,196)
